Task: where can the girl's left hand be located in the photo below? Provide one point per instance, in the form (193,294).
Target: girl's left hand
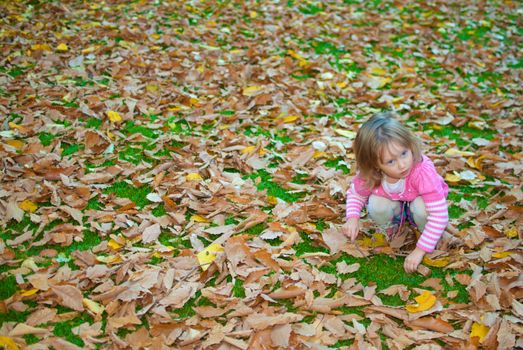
(413,260)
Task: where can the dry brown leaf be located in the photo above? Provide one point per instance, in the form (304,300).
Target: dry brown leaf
(262,321)
(69,296)
(431,323)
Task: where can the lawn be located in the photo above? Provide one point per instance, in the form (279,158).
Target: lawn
(173,174)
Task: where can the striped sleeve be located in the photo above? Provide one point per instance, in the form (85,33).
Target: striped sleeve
(432,189)
(356,199)
(437,220)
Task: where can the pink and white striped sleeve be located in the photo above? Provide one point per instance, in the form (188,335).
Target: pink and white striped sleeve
(433,190)
(355,199)
(437,220)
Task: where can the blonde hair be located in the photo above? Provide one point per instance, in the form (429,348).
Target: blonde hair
(373,137)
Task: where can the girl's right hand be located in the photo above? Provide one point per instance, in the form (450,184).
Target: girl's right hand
(351,228)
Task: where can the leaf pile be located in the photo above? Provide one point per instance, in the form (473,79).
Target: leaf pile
(173,173)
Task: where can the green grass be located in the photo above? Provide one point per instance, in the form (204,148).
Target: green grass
(64,329)
(273,188)
(124,190)
(338,163)
(307,246)
(132,128)
(384,271)
(237,290)
(9,287)
(46,138)
(14,316)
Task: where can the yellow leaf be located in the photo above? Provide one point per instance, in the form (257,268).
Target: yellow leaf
(251,90)
(501,255)
(157,255)
(27,205)
(378,240)
(110,259)
(93,306)
(89,49)
(302,61)
(208,255)
(114,245)
(319,154)
(290,119)
(199,218)
(478,330)
(29,292)
(253,14)
(479,125)
(194,177)
(436,262)
(378,71)
(30,264)
(511,232)
(114,116)
(452,178)
(424,302)
(62,47)
(346,133)
(248,149)
(151,88)
(457,152)
(14,126)
(475,163)
(43,47)
(342,84)
(272,200)
(174,109)
(224,126)
(8,343)
(15,143)
(377,82)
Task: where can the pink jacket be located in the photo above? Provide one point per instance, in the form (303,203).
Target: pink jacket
(424,181)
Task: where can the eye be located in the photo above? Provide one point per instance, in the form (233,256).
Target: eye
(390,162)
(404,153)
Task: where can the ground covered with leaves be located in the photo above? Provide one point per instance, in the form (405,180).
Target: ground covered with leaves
(173,174)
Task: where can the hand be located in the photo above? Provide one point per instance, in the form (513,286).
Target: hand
(413,260)
(351,228)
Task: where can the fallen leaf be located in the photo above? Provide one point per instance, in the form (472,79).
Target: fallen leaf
(8,343)
(199,218)
(69,296)
(62,47)
(432,323)
(436,262)
(194,177)
(93,306)
(28,206)
(478,330)
(151,233)
(424,302)
(251,90)
(114,117)
(208,255)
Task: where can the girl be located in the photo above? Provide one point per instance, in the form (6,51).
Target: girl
(396,182)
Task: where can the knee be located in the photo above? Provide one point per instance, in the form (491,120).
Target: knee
(379,206)
(417,208)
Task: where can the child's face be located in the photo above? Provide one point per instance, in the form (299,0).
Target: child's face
(396,161)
